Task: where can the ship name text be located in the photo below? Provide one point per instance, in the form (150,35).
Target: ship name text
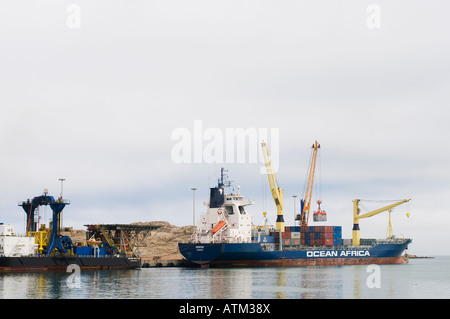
(337,253)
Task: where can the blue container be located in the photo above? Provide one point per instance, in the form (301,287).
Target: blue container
(337,242)
(337,229)
(307,241)
(307,235)
(311,229)
(267,239)
(337,235)
(295,229)
(264,239)
(83,250)
(317,235)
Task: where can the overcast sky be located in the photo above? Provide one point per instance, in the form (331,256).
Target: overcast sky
(92,91)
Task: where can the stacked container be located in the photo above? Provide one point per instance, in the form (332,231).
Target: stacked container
(310,235)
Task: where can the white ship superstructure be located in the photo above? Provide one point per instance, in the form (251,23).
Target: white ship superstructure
(226,218)
(15,246)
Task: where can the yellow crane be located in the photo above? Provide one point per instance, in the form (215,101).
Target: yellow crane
(306,202)
(356,217)
(277,193)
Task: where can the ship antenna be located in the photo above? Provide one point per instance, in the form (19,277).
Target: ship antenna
(223,176)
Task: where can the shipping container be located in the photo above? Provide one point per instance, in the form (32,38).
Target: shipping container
(295,228)
(327,235)
(262,231)
(101,251)
(337,235)
(83,250)
(346,241)
(328,242)
(263,239)
(286,235)
(295,241)
(337,242)
(328,229)
(337,229)
(286,241)
(319,229)
(267,239)
(295,235)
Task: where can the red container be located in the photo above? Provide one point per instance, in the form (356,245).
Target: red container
(328,242)
(319,229)
(328,229)
(304,229)
(328,235)
(286,235)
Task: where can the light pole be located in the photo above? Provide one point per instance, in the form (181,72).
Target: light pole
(62,181)
(193,189)
(61,215)
(295,209)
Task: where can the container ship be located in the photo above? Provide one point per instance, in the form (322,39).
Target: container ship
(226,237)
(44,248)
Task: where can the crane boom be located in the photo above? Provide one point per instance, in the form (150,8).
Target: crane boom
(357,217)
(306,204)
(277,193)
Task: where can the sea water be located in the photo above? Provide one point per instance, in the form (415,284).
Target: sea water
(420,278)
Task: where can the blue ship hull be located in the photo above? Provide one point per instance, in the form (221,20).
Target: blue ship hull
(253,255)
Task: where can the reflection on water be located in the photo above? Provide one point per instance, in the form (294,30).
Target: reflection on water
(418,279)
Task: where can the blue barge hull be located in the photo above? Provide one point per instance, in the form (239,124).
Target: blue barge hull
(253,255)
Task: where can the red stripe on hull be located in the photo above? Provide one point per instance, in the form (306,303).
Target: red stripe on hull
(308,262)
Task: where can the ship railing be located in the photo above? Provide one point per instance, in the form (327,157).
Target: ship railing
(392,241)
(275,246)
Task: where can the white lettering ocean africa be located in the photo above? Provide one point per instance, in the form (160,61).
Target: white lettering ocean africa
(336,253)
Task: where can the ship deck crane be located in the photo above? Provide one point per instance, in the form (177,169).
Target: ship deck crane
(356,217)
(305,204)
(277,193)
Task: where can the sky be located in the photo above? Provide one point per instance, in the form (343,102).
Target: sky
(106,93)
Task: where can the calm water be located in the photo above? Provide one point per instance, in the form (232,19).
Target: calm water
(421,278)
